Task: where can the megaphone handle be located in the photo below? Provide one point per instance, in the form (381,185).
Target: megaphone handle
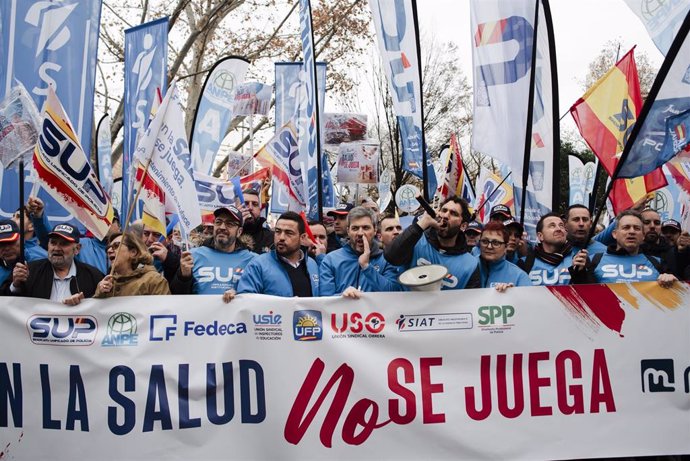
(426,206)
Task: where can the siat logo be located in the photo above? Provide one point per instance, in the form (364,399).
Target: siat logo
(50,17)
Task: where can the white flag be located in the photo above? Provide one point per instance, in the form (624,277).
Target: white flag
(165,143)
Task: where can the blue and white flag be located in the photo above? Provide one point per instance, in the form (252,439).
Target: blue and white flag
(670,96)
(52,43)
(214,111)
(398,44)
(104,149)
(291,105)
(661,18)
(578,182)
(146,54)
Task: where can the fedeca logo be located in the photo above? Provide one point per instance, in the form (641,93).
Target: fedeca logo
(356,325)
(165,327)
(121,331)
(62,330)
(307,325)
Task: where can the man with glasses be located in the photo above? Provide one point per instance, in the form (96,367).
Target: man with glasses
(549,262)
(657,245)
(217,265)
(60,277)
(496,271)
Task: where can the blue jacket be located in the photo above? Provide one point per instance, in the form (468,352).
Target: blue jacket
(267,275)
(617,266)
(502,271)
(213,272)
(29,255)
(340,269)
(33,250)
(545,274)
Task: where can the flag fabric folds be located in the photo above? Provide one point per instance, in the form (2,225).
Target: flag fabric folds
(669,96)
(454,180)
(491,194)
(605,116)
(104,149)
(65,172)
(164,149)
(662,19)
(153,198)
(214,193)
(214,111)
(578,182)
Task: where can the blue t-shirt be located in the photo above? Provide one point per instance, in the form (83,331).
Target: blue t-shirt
(545,274)
(614,268)
(502,271)
(460,267)
(215,271)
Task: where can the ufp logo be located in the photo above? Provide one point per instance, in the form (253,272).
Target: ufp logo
(62,330)
(121,331)
(307,325)
(490,315)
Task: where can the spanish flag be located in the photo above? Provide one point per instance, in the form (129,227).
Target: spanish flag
(605,116)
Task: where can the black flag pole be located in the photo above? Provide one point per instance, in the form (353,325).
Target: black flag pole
(556,175)
(425,172)
(530,115)
(22,243)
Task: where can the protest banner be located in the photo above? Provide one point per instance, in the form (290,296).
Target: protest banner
(339,128)
(214,193)
(434,375)
(252,98)
(358,163)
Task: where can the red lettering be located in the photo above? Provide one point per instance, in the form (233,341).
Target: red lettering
(408,396)
(334,323)
(485,380)
(429,388)
(356,320)
(601,384)
(536,382)
(574,390)
(502,384)
(357,417)
(377,326)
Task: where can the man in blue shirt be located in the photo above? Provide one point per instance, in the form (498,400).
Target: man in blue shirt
(359,265)
(623,261)
(217,265)
(548,263)
(439,241)
(286,270)
(578,222)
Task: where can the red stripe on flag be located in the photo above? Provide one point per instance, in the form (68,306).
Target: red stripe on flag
(602,142)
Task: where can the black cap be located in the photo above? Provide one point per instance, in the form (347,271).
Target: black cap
(514,223)
(474,226)
(116,215)
(672,223)
(232,211)
(500,210)
(9,231)
(65,231)
(342,209)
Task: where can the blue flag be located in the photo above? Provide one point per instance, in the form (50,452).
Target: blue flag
(146,53)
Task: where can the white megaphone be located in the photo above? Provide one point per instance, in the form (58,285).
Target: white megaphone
(424,278)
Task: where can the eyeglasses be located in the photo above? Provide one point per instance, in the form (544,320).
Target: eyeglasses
(114,246)
(226,222)
(491,243)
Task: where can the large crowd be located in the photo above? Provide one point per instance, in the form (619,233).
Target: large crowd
(357,250)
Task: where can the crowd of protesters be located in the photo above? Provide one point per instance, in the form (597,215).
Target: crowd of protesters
(357,250)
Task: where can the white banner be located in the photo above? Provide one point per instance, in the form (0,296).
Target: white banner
(502,55)
(578,182)
(538,373)
(358,163)
(165,142)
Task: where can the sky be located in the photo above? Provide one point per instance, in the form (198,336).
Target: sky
(581,29)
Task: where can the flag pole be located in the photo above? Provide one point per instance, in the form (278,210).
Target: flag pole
(486,200)
(530,115)
(22,242)
(425,172)
(556,174)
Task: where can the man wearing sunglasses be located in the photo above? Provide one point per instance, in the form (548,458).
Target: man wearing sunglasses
(217,265)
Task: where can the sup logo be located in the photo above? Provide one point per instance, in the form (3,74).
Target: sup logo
(307,325)
(121,331)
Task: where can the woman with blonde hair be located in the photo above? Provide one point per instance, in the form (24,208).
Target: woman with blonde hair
(132,271)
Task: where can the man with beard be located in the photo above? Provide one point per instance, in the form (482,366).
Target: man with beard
(439,241)
(655,244)
(670,230)
(217,265)
(338,238)
(390,228)
(254,224)
(359,265)
(286,270)
(548,263)
(623,261)
(61,277)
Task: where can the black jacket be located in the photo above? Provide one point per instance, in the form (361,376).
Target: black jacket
(40,281)
(262,235)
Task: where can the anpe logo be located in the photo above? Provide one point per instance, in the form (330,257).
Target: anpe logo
(356,325)
(121,331)
(62,330)
(307,325)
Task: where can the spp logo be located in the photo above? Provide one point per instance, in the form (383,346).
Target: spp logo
(357,323)
(307,325)
(62,330)
(492,315)
(658,375)
(121,331)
